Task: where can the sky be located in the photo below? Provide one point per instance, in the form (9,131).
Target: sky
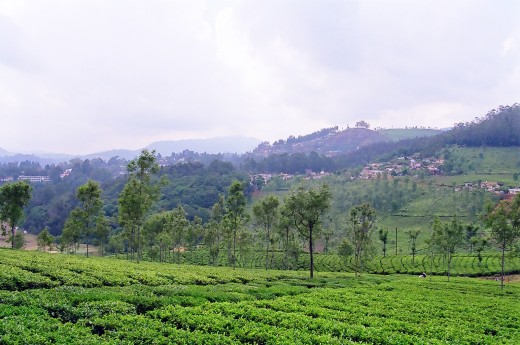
(84,76)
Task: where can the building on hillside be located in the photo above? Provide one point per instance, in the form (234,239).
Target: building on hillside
(34,178)
(66,173)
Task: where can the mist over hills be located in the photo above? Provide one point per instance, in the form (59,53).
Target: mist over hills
(500,127)
(230,144)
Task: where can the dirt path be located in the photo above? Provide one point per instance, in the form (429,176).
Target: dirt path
(30,242)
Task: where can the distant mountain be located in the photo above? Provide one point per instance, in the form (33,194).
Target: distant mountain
(106,155)
(235,144)
(232,144)
(43,160)
(4,152)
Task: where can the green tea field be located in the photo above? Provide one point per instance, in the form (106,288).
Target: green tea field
(65,299)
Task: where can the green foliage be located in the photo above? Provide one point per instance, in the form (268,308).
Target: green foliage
(266,214)
(383,237)
(446,238)
(137,198)
(304,208)
(45,239)
(361,224)
(235,215)
(13,198)
(73,300)
(18,241)
(503,221)
(88,215)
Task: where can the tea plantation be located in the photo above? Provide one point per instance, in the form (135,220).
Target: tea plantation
(65,299)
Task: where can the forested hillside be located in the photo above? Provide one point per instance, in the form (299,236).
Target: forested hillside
(499,127)
(192,199)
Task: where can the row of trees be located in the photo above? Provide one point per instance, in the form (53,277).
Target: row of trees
(280,224)
(165,233)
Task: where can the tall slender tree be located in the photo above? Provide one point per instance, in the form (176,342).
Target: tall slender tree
(285,228)
(13,198)
(305,207)
(213,231)
(383,237)
(266,214)
(361,225)
(178,227)
(503,222)
(236,213)
(412,237)
(137,197)
(89,196)
(446,237)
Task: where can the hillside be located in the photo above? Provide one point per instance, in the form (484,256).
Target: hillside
(327,141)
(498,128)
(65,299)
(334,142)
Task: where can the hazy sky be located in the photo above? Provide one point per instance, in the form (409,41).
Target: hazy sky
(81,76)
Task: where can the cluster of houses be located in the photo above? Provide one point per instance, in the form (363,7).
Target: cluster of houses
(492,187)
(35,178)
(409,166)
(265,178)
(402,166)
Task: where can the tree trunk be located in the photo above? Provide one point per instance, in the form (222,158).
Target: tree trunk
(311,253)
(449,266)
(267,251)
(234,248)
(12,237)
(287,248)
(503,264)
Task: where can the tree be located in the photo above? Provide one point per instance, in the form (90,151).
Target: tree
(214,230)
(44,239)
(137,197)
(101,232)
(89,196)
(285,226)
(345,249)
(446,237)
(13,198)
(266,214)
(194,233)
(18,241)
(362,124)
(305,209)
(383,237)
(235,213)
(471,232)
(361,225)
(479,244)
(412,237)
(177,225)
(503,222)
(71,233)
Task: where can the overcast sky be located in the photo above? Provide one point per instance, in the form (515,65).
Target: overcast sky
(82,76)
